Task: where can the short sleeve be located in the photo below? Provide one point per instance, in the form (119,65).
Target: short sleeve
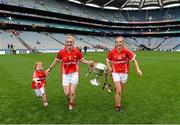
(131,55)
(59,55)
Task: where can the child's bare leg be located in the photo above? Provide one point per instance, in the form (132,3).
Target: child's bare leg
(37,96)
(44,98)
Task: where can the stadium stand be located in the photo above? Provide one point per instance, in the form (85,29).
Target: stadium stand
(96,13)
(40,41)
(55,41)
(94,35)
(8,38)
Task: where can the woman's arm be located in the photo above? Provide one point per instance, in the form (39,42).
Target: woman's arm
(55,62)
(139,72)
(84,61)
(109,65)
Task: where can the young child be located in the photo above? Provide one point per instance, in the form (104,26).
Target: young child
(39,81)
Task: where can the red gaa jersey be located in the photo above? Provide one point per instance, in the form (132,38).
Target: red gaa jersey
(120,60)
(41,78)
(69,60)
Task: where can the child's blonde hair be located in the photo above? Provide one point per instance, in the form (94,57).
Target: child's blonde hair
(37,63)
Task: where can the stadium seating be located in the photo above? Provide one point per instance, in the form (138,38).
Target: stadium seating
(170,43)
(69,8)
(40,41)
(8,38)
(61,37)
(55,41)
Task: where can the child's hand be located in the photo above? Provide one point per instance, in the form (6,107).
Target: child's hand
(36,84)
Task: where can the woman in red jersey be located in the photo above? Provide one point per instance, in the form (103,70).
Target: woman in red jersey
(69,56)
(118,63)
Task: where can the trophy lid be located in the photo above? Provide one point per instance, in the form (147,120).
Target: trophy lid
(100,68)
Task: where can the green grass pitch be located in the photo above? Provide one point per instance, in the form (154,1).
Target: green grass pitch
(153,98)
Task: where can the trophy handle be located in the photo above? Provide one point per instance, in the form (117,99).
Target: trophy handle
(86,75)
(106,84)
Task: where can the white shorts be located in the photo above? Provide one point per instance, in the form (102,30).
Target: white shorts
(71,78)
(122,77)
(40,92)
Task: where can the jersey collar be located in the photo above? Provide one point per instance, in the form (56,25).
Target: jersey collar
(67,49)
(119,51)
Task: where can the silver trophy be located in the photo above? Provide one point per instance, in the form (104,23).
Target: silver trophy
(99,69)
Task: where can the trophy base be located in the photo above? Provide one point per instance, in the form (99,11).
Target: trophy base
(95,82)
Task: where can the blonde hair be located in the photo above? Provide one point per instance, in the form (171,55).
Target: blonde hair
(70,36)
(119,37)
(37,63)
